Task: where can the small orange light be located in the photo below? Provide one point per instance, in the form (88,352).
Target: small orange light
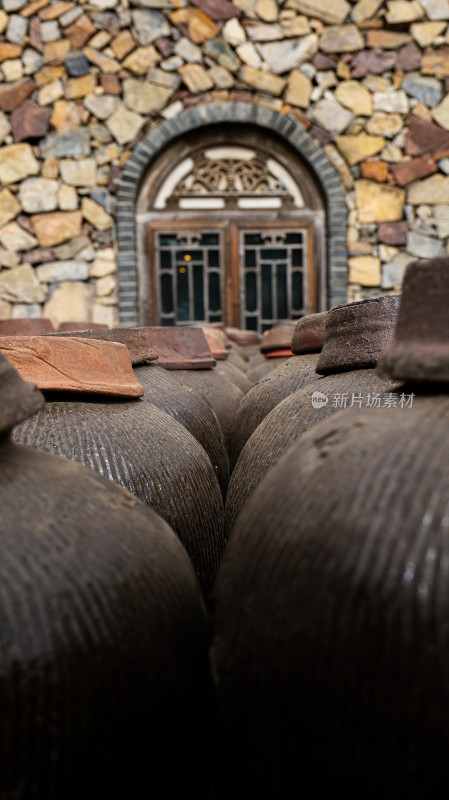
(182,269)
(187,258)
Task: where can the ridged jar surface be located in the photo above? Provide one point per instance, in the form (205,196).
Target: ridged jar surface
(269,391)
(191,410)
(147,452)
(259,369)
(286,423)
(231,373)
(103,640)
(222,395)
(331,647)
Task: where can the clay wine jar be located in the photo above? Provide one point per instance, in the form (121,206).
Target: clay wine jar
(191,410)
(280,382)
(103,632)
(145,450)
(331,648)
(368,327)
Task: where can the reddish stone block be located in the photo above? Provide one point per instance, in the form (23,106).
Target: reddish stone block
(110,83)
(409,57)
(410,171)
(322,61)
(323,137)
(9,50)
(374,170)
(34,34)
(179,348)
(424,137)
(39,256)
(217,9)
(375,61)
(72,364)
(394,233)
(25,327)
(80,32)
(29,121)
(12,94)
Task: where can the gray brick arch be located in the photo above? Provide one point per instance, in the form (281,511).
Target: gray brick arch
(284,126)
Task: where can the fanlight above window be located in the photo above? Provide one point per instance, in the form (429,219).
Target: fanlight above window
(229,178)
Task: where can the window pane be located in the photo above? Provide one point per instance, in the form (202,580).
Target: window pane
(297,257)
(282,291)
(167,294)
(250,258)
(182,295)
(166,259)
(214,291)
(251,291)
(253,238)
(198,292)
(267,307)
(251,323)
(297,299)
(294,238)
(209,238)
(214,258)
(274,255)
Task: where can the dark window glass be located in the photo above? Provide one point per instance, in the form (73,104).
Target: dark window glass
(273,255)
(166,322)
(215,318)
(267,306)
(253,238)
(214,258)
(294,238)
(250,258)
(182,295)
(167,294)
(251,323)
(209,238)
(281,280)
(297,300)
(169,240)
(297,257)
(165,259)
(251,291)
(198,292)
(214,291)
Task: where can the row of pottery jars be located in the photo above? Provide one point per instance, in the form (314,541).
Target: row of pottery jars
(355,337)
(129,440)
(331,639)
(103,630)
(306,341)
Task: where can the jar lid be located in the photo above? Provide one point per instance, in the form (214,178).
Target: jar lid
(419,350)
(279,337)
(18,398)
(242,337)
(139,350)
(309,334)
(25,327)
(72,365)
(357,334)
(179,347)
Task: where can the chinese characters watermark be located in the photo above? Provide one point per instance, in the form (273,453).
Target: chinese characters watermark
(359,400)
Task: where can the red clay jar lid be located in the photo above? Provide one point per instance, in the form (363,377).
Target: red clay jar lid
(285,353)
(419,350)
(139,350)
(180,347)
(18,399)
(278,338)
(72,365)
(216,342)
(25,327)
(309,334)
(240,336)
(357,334)
(80,326)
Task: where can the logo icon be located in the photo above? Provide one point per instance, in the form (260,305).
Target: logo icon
(319,400)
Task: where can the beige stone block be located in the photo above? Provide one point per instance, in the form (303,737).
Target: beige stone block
(56,227)
(195,78)
(330,11)
(424,33)
(105,315)
(299,89)
(400,11)
(70,301)
(105,263)
(357,148)
(263,81)
(441,113)
(67,198)
(96,215)
(20,285)
(376,202)
(365,9)
(354,96)
(17,161)
(365,270)
(341,39)
(9,207)
(81,172)
(142,60)
(429,191)
(124,125)
(381,124)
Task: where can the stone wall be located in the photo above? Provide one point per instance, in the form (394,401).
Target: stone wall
(81,83)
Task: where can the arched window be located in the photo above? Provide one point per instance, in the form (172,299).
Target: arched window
(231,229)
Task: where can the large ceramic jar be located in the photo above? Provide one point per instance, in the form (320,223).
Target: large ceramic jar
(356,335)
(137,445)
(291,375)
(103,633)
(331,636)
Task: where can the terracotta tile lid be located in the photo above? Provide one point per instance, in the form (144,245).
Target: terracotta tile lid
(139,350)
(278,338)
(242,337)
(72,365)
(179,347)
(216,341)
(281,353)
(308,336)
(25,327)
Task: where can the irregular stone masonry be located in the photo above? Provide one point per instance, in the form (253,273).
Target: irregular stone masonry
(81,83)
